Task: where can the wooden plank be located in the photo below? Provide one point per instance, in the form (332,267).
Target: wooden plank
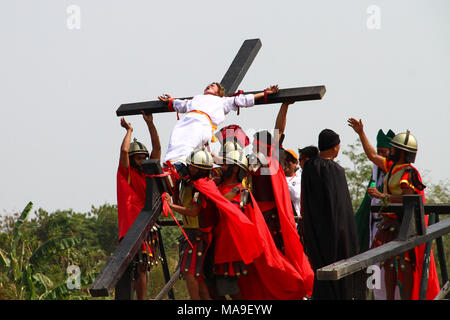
(293,94)
(124,289)
(441,256)
(156,106)
(240,65)
(437,208)
(412,217)
(283,95)
(116,265)
(345,267)
(164,263)
(445,289)
(166,289)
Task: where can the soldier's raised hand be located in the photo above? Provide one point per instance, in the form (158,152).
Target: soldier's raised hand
(125,124)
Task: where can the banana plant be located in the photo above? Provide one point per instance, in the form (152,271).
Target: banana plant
(20,265)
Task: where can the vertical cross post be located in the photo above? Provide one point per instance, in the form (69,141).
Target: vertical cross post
(119,262)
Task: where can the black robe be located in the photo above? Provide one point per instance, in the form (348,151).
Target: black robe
(329,227)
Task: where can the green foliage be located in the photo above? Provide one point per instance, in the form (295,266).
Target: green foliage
(438,193)
(359,175)
(35,254)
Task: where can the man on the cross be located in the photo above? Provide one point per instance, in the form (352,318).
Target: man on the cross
(203,114)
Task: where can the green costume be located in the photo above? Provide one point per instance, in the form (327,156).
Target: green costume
(362,216)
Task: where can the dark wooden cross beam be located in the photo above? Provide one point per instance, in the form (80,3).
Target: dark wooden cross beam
(240,65)
(231,81)
(351,265)
(117,265)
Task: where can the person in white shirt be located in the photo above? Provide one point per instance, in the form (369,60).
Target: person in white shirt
(288,159)
(203,114)
(290,168)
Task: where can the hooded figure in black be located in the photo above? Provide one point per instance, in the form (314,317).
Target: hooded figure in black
(329,228)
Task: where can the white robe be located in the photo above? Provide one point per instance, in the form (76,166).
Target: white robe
(195,130)
(294,184)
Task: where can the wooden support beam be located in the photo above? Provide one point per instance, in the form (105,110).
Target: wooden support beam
(164,263)
(283,95)
(240,65)
(168,287)
(345,267)
(412,217)
(118,263)
(441,256)
(445,289)
(437,208)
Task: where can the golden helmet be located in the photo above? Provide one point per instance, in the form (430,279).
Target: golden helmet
(201,159)
(136,148)
(405,141)
(229,146)
(237,157)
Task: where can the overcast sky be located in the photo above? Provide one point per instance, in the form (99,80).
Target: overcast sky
(66,66)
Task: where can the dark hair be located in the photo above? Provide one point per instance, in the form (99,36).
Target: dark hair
(328,139)
(289,157)
(308,152)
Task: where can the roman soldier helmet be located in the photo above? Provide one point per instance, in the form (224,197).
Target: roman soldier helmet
(229,146)
(201,159)
(136,148)
(237,157)
(407,142)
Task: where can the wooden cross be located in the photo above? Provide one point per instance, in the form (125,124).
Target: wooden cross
(230,82)
(116,272)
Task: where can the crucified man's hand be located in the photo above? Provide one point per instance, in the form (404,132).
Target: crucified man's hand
(165,97)
(272,89)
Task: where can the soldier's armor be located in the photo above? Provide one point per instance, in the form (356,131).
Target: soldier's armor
(198,229)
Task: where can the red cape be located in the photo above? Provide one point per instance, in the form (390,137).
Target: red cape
(271,275)
(433,280)
(129,202)
(292,245)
